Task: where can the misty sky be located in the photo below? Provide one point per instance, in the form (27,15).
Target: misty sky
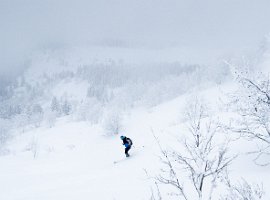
(31,25)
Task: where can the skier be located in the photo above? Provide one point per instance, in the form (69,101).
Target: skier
(127,142)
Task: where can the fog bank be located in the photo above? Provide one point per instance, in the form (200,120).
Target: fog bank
(226,27)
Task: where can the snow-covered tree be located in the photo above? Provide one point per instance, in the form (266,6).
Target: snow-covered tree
(5,134)
(252,104)
(66,107)
(20,121)
(55,107)
(4,130)
(202,157)
(36,115)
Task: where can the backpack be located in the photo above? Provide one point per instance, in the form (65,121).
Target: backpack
(129,141)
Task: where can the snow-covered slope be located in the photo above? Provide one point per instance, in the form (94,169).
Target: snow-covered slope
(75,160)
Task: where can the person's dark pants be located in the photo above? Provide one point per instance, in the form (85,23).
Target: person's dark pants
(126,150)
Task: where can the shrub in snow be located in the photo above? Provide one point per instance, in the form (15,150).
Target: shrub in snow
(112,123)
(33,147)
(89,110)
(50,118)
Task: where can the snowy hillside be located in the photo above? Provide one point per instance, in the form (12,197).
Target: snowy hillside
(61,123)
(187,81)
(75,160)
(62,119)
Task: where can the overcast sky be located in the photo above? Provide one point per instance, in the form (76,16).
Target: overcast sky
(30,25)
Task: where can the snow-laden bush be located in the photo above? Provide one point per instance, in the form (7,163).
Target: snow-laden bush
(112,122)
(89,110)
(50,118)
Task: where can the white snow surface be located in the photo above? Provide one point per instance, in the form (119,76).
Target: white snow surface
(75,160)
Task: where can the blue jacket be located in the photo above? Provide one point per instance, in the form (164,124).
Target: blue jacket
(127,145)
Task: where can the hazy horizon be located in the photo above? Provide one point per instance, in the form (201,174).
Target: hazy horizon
(225,26)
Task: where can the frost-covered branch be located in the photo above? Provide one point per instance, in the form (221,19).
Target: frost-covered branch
(202,158)
(242,190)
(252,104)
